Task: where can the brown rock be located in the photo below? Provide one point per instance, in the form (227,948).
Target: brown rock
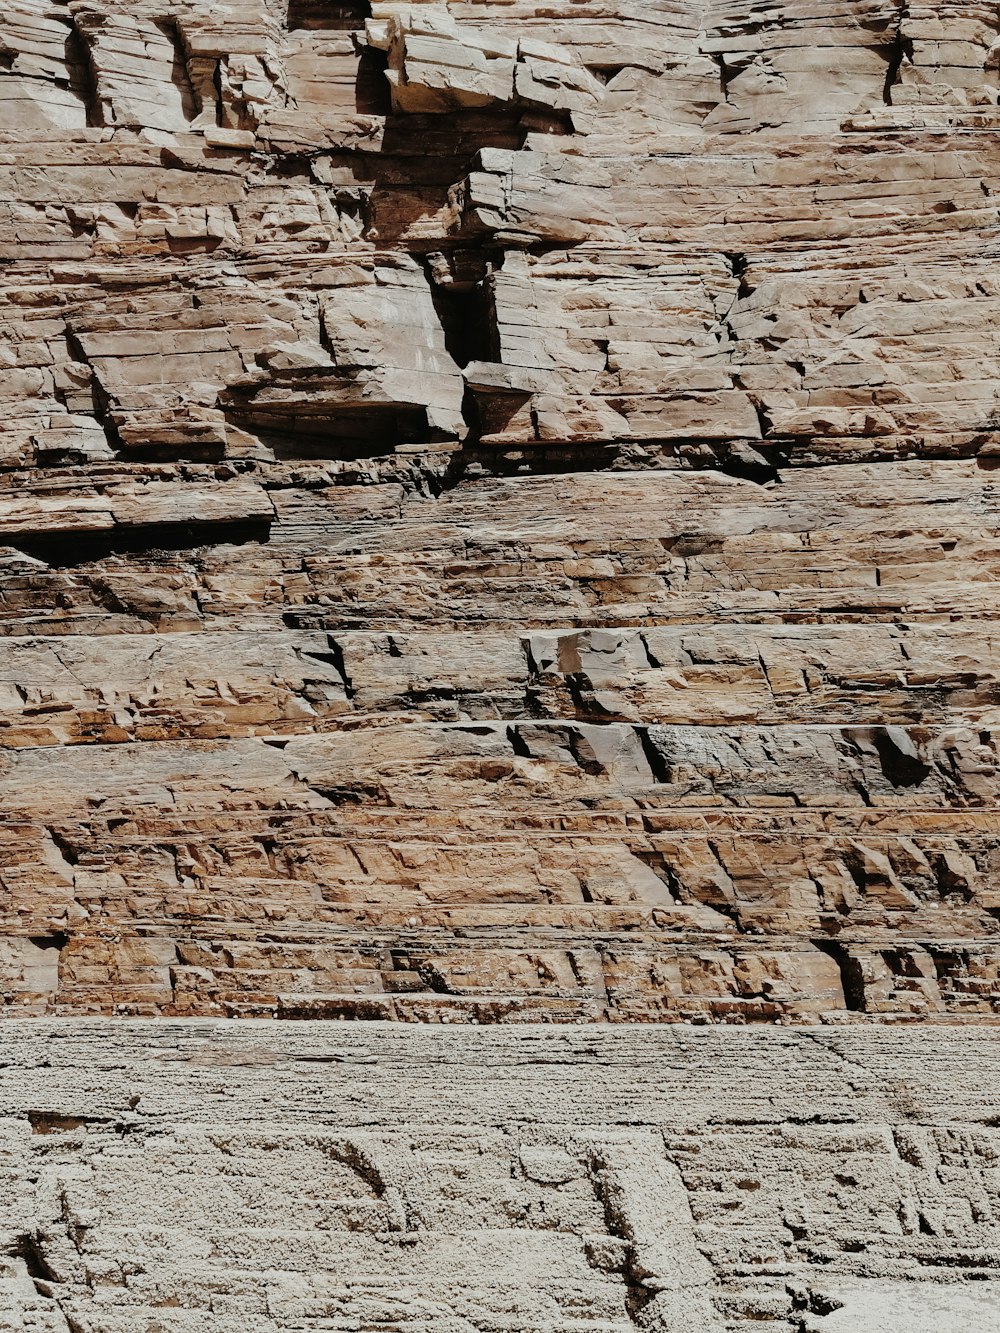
(497,512)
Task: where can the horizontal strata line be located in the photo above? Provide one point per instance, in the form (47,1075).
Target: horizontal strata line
(508,833)
(61,481)
(702,1060)
(890,613)
(790,619)
(926,250)
(522,819)
(280,631)
(563,820)
(355,727)
(772,440)
(186,736)
(638,820)
(372,838)
(474,727)
(378,939)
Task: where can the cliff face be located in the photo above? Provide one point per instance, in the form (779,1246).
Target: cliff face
(329,1178)
(497,509)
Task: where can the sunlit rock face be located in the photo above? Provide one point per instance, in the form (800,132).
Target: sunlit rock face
(318,1177)
(499,529)
(497,511)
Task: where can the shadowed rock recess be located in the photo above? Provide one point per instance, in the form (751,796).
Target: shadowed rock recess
(498,510)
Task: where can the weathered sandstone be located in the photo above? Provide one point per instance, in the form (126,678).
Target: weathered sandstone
(499,526)
(497,510)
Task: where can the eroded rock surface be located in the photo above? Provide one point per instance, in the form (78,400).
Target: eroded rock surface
(497,510)
(324,1176)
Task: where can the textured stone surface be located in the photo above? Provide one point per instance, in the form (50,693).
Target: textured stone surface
(497,510)
(268,1177)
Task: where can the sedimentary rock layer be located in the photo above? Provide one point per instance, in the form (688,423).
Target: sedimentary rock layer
(497,509)
(272,1177)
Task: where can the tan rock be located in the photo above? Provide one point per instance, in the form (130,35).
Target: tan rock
(497,511)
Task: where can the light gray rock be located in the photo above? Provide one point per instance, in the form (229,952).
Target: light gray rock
(321,1176)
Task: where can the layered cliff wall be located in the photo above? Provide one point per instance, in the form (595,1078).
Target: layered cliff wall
(498,510)
(226,1177)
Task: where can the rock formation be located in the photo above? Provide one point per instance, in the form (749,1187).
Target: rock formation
(329,1178)
(497,510)
(498,525)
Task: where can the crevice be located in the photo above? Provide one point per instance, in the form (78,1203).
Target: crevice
(661,868)
(898,757)
(453,143)
(68,549)
(327,15)
(518,743)
(738,265)
(725,76)
(578,685)
(361,1163)
(347,432)
(83,75)
(810,1301)
(763,420)
(56,1122)
(851,974)
(607,1192)
(28,1247)
(372,94)
(336,659)
(735,1121)
(180,76)
(463,311)
(658,766)
(57,940)
(757,460)
(106,597)
(433,978)
(901,49)
(761,461)
(606,73)
(74,1230)
(353,794)
(101,403)
(652,660)
(65,848)
(219,94)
